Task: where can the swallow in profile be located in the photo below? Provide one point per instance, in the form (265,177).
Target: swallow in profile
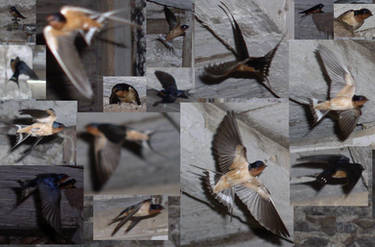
(313,10)
(142,210)
(337,170)
(44,125)
(354,18)
(170,93)
(19,67)
(61,32)
(343,99)
(176,29)
(237,176)
(107,146)
(15,13)
(48,186)
(124,93)
(243,66)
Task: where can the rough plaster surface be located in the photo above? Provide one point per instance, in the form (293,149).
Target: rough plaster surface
(261,34)
(201,221)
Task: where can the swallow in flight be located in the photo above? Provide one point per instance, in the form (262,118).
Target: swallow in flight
(124,93)
(237,176)
(142,210)
(61,32)
(244,66)
(107,146)
(337,170)
(19,67)
(15,13)
(176,29)
(316,9)
(343,99)
(170,93)
(354,18)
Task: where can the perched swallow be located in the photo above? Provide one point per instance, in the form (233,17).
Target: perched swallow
(60,35)
(316,9)
(170,93)
(142,210)
(48,186)
(342,95)
(15,13)
(237,176)
(244,65)
(44,125)
(124,93)
(354,18)
(337,170)
(19,67)
(107,146)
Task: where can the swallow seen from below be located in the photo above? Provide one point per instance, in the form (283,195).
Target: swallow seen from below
(19,67)
(107,146)
(61,32)
(170,93)
(316,9)
(124,93)
(142,210)
(337,170)
(244,66)
(343,99)
(15,13)
(354,18)
(237,176)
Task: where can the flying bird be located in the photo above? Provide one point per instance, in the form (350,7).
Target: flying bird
(15,13)
(170,93)
(343,99)
(19,67)
(244,66)
(313,10)
(142,210)
(337,170)
(124,93)
(354,18)
(61,32)
(236,176)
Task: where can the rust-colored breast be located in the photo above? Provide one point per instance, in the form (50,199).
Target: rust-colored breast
(340,174)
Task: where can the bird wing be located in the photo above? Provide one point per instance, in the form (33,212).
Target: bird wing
(114,133)
(50,205)
(258,200)
(241,47)
(171,18)
(42,116)
(348,121)
(325,159)
(338,72)
(63,48)
(26,70)
(223,69)
(132,210)
(227,147)
(167,81)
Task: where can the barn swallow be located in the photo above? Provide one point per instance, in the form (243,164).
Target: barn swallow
(44,125)
(142,210)
(354,18)
(337,170)
(15,13)
(107,146)
(19,67)
(170,93)
(48,186)
(176,29)
(125,93)
(244,66)
(343,99)
(316,9)
(237,176)
(60,35)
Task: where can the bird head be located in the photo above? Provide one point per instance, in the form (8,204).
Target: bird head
(57,127)
(320,6)
(56,21)
(359,100)
(156,208)
(184,27)
(365,13)
(256,168)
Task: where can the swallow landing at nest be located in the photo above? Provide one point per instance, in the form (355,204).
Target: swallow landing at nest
(316,9)
(237,176)
(354,19)
(337,170)
(244,66)
(19,67)
(142,210)
(61,32)
(16,14)
(170,93)
(343,100)
(176,29)
(124,93)
(107,146)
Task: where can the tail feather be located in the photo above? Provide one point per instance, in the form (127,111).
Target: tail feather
(20,137)
(268,59)
(147,143)
(317,114)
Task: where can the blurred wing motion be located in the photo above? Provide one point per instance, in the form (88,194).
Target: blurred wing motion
(167,81)
(50,208)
